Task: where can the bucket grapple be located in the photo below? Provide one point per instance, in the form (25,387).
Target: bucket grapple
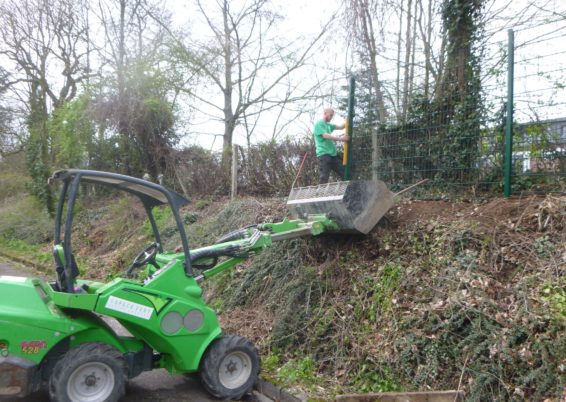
(355,206)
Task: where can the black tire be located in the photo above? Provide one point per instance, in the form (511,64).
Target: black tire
(220,365)
(91,362)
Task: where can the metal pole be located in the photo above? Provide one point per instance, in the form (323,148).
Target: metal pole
(508,164)
(234,191)
(350,125)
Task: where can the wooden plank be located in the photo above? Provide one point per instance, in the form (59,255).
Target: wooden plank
(426,396)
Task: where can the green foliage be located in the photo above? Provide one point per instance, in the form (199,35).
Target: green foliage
(429,309)
(39,172)
(23,218)
(72,132)
(202,204)
(374,379)
(20,249)
(300,371)
(467,340)
(377,292)
(13,184)
(280,277)
(142,116)
(37,148)
(538,139)
(271,362)
(439,136)
(190,218)
(386,286)
(271,167)
(544,246)
(162,215)
(555,296)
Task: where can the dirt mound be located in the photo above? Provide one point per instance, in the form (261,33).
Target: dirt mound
(440,295)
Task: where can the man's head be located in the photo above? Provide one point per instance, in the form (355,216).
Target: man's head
(328,114)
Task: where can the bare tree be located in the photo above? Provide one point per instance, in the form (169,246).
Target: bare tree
(246,62)
(40,36)
(10,141)
(362,13)
(132,53)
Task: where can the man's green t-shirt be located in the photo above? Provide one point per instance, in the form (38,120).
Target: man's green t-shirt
(323,145)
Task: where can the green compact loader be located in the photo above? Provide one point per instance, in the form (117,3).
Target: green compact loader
(54,334)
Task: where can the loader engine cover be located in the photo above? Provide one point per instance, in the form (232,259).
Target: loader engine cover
(356,205)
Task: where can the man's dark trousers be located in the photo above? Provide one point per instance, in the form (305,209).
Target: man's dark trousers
(326,163)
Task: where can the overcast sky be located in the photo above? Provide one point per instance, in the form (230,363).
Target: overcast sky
(539,70)
(540,62)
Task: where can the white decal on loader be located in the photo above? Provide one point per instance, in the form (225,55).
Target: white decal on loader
(128,307)
(8,278)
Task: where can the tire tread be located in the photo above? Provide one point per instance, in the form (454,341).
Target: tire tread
(212,357)
(79,353)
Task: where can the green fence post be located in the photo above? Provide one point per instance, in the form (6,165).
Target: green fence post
(508,164)
(350,117)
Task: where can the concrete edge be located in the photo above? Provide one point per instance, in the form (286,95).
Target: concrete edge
(276,392)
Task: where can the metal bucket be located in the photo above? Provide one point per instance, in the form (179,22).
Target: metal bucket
(356,206)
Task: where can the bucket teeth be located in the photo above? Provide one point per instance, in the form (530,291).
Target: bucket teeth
(356,205)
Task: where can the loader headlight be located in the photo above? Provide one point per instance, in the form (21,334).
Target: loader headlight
(193,320)
(171,322)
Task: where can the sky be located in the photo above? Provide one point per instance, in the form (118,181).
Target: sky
(539,72)
(300,19)
(539,69)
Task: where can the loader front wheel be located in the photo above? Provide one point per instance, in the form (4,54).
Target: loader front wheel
(230,367)
(87,373)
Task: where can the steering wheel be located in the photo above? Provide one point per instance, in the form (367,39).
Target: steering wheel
(146,255)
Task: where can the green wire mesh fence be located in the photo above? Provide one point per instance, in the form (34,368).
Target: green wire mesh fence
(451,130)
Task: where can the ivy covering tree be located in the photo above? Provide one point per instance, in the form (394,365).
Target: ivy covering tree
(459,102)
(438,137)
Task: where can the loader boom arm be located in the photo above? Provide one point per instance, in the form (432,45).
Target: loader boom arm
(256,239)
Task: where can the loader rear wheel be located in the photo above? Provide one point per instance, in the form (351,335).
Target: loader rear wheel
(91,372)
(229,367)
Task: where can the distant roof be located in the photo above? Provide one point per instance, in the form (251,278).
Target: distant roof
(547,121)
(152,193)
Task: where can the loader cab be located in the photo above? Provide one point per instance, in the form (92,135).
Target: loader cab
(149,194)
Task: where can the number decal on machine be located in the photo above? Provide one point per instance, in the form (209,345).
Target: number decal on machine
(32,347)
(128,307)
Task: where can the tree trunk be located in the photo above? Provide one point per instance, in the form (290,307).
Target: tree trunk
(123,126)
(369,39)
(413,52)
(229,118)
(426,37)
(407,59)
(398,80)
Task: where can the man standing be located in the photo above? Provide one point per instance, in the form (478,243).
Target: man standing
(325,143)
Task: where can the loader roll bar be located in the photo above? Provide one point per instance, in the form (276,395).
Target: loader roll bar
(150,194)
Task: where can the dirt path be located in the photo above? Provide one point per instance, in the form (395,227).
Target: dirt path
(14,269)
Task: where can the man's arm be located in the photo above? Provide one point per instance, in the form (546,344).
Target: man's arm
(342,138)
(319,129)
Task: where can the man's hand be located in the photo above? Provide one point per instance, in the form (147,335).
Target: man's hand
(345,138)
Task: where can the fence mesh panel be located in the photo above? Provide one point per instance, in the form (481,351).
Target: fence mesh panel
(456,140)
